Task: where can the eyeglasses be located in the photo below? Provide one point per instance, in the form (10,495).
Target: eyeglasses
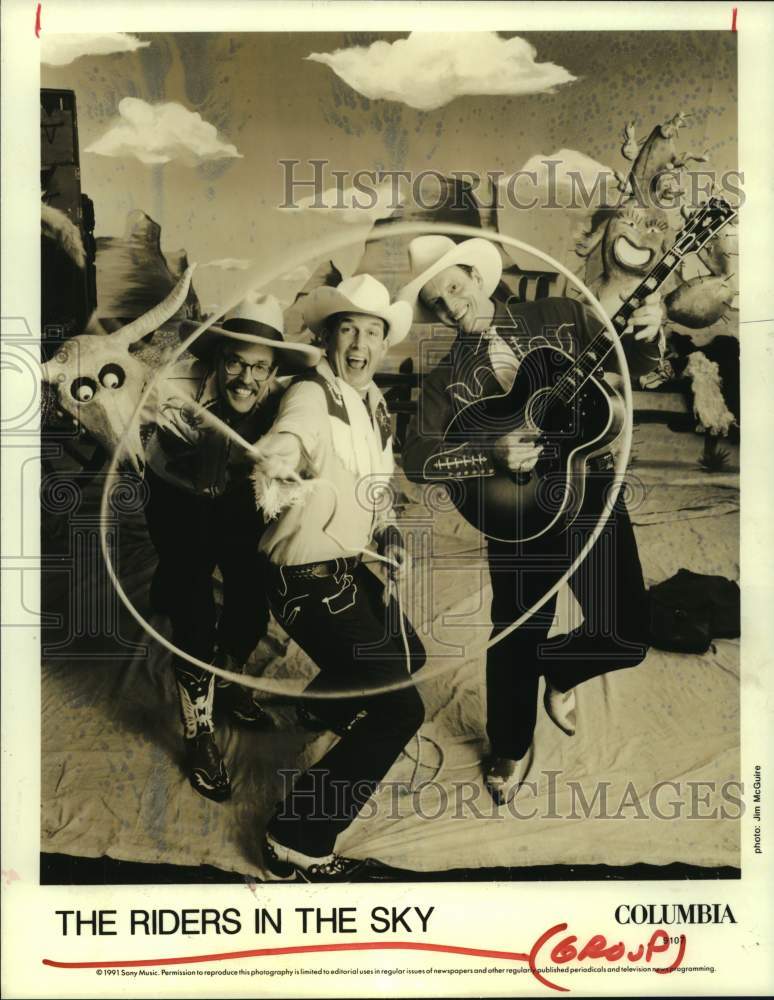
(259,371)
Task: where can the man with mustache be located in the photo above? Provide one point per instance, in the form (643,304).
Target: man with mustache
(454,284)
(333,428)
(201,515)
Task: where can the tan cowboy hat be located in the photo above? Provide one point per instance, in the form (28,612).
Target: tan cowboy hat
(429,255)
(358,294)
(256,320)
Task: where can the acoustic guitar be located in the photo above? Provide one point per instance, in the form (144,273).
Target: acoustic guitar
(566,403)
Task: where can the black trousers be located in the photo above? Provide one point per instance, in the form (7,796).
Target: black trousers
(342,624)
(611,592)
(192,535)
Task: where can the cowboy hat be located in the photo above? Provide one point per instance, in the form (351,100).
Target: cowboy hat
(429,255)
(359,294)
(257,320)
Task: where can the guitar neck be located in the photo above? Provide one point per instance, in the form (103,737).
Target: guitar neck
(601,345)
(693,237)
(651,284)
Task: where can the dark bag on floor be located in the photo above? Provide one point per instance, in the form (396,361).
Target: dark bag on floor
(689,610)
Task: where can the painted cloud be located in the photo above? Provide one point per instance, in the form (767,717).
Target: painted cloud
(61,50)
(428,70)
(160,133)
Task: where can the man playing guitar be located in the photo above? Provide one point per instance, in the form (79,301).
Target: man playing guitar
(453,283)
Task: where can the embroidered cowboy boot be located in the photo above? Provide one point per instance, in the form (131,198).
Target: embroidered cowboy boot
(204,764)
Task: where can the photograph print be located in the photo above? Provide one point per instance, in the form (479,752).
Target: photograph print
(390,456)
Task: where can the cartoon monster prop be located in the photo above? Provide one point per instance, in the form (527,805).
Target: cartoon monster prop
(627,246)
(655,176)
(701,301)
(98,381)
(623,242)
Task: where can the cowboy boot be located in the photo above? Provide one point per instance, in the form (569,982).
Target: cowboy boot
(504,776)
(285,861)
(311,722)
(308,720)
(560,707)
(204,765)
(236,700)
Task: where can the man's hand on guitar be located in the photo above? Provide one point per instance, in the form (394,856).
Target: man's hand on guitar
(517,451)
(647,318)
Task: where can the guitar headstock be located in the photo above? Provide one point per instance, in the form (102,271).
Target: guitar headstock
(705,222)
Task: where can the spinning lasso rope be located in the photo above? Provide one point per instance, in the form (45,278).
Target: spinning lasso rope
(391,588)
(399,229)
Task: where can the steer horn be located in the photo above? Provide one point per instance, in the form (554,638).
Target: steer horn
(159,314)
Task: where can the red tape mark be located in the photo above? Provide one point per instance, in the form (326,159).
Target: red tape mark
(37,22)
(733,20)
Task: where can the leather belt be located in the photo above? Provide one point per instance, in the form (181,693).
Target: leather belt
(318,570)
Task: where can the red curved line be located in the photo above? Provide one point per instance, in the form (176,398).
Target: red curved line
(534,954)
(515,956)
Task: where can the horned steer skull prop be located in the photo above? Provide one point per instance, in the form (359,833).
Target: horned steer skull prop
(99,381)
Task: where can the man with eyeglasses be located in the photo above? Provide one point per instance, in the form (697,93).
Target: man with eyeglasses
(201,514)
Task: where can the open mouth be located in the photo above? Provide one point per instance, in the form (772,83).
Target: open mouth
(241,392)
(629,255)
(356,363)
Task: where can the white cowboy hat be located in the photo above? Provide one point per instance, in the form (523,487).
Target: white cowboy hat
(358,294)
(429,255)
(257,320)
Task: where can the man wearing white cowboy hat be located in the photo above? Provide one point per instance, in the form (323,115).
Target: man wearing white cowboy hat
(201,514)
(454,284)
(334,429)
